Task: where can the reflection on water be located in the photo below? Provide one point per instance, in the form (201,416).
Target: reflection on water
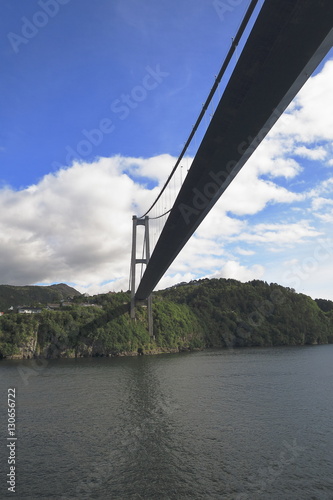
(237,424)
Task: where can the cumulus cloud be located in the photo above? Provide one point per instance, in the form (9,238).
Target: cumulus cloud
(309,118)
(75,225)
(243,251)
(280,234)
(312,154)
(157,168)
(251,194)
(233,269)
(319,203)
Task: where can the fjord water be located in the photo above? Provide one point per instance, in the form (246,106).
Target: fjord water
(240,424)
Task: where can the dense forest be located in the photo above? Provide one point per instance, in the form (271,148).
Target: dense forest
(206,313)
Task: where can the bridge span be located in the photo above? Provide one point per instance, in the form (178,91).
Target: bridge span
(287,42)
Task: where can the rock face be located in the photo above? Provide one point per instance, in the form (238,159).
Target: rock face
(29,349)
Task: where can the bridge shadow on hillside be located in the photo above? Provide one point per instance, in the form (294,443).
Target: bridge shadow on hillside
(109,315)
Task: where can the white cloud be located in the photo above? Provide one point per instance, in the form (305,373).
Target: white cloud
(313,154)
(289,263)
(233,269)
(218,225)
(310,117)
(327,217)
(243,251)
(271,158)
(74,225)
(239,198)
(322,191)
(319,203)
(311,271)
(157,168)
(280,234)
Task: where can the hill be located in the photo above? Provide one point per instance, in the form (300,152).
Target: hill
(206,313)
(13,296)
(235,314)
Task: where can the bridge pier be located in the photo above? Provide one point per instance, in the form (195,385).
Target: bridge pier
(144,260)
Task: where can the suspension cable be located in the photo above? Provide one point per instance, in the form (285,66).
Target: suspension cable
(225,64)
(160,216)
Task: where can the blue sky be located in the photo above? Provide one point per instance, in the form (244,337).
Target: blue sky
(77,69)
(97,100)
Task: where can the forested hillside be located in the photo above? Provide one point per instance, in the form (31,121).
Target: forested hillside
(205,313)
(254,313)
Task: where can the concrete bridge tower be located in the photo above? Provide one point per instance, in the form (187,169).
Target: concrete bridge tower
(144,260)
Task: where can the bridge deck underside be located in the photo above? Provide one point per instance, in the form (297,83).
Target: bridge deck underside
(286,44)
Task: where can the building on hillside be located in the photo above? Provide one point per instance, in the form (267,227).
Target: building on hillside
(86,304)
(28,310)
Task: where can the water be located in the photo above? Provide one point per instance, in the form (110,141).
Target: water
(241,424)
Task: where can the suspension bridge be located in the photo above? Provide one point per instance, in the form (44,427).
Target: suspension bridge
(288,40)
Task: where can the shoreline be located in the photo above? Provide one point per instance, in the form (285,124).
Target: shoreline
(148,352)
(138,352)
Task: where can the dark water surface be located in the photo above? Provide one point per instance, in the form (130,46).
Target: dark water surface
(241,424)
